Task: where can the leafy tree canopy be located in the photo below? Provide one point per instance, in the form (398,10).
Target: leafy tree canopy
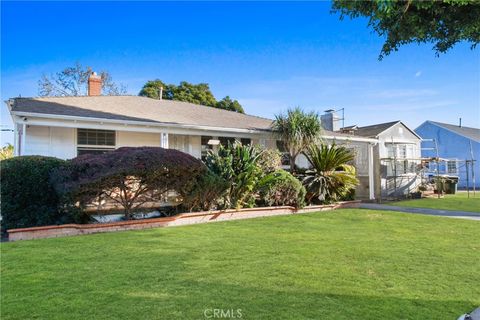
(194,93)
(73,81)
(442,22)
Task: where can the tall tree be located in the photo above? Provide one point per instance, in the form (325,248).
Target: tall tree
(194,93)
(73,81)
(442,22)
(229,104)
(297,130)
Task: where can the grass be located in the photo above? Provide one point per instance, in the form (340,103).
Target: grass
(344,264)
(458,201)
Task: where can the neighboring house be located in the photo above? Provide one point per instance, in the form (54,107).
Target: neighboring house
(398,157)
(65,127)
(455,144)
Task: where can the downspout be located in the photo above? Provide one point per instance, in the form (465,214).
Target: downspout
(24,135)
(16,141)
(371,171)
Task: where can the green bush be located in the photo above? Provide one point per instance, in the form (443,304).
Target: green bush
(27,196)
(270,160)
(206,194)
(280,188)
(238,165)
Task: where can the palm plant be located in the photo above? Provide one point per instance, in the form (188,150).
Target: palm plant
(298,130)
(331,177)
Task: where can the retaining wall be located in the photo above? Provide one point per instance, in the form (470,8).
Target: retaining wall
(181,219)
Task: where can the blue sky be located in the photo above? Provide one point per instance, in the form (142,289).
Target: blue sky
(269,56)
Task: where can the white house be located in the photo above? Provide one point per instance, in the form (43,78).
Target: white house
(398,157)
(65,127)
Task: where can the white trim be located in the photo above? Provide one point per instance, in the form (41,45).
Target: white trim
(15,139)
(343,138)
(24,136)
(371,173)
(141,123)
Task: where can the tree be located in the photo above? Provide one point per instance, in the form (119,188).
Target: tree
(297,130)
(194,93)
(73,81)
(229,104)
(128,176)
(442,22)
(331,177)
(6,152)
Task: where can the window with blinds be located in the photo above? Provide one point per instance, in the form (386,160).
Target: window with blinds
(95,141)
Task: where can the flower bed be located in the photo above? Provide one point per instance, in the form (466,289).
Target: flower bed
(181,219)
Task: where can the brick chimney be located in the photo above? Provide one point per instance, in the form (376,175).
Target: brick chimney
(94,85)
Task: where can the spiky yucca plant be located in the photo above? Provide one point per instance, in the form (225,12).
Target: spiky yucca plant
(238,165)
(331,177)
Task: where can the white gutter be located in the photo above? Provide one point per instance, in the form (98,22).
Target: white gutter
(350,138)
(133,122)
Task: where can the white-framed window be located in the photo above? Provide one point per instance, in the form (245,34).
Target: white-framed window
(400,150)
(95,141)
(452,166)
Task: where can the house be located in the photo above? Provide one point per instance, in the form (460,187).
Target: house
(398,157)
(65,127)
(457,146)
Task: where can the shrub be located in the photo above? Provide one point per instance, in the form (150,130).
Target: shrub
(280,188)
(128,176)
(236,164)
(331,177)
(206,193)
(270,160)
(27,197)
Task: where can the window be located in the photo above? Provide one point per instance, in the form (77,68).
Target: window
(246,141)
(205,146)
(225,140)
(96,137)
(452,166)
(400,151)
(95,141)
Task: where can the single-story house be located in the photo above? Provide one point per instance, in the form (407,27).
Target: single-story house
(397,157)
(65,127)
(457,145)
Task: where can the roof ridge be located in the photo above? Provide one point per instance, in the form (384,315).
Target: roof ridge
(379,124)
(453,125)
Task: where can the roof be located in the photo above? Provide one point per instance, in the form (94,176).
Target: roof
(136,108)
(374,130)
(467,132)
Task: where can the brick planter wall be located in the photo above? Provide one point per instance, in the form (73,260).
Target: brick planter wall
(181,219)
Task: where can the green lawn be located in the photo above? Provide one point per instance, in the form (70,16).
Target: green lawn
(457,201)
(344,264)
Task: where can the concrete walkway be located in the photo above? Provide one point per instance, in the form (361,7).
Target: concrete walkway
(433,212)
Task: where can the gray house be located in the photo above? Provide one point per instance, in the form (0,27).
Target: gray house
(398,157)
(457,146)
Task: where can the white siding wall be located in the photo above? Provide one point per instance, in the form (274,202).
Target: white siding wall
(196,146)
(137,139)
(50,141)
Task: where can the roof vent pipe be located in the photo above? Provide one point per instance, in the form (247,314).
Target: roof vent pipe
(460,122)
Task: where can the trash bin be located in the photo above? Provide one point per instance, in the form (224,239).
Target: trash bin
(450,186)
